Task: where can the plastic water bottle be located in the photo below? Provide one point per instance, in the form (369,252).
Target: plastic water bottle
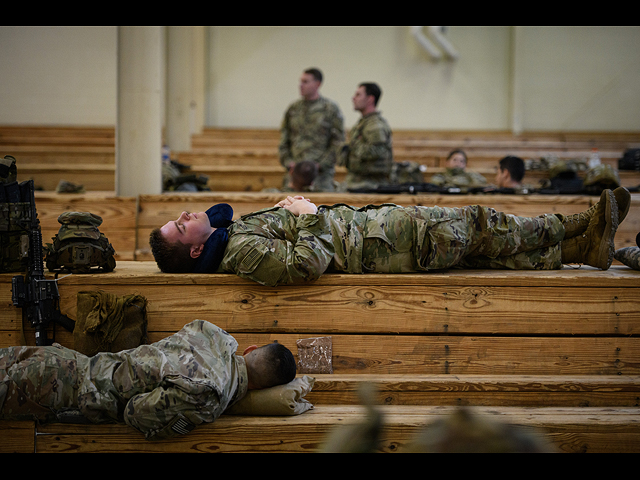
(165,154)
(594,160)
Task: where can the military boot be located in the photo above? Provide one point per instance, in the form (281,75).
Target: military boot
(577,223)
(595,247)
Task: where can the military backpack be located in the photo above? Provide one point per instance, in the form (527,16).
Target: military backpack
(15,218)
(79,245)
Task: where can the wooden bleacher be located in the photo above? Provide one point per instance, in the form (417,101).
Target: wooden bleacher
(247,159)
(556,352)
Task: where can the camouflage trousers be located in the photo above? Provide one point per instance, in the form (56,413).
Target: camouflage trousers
(37,382)
(467,237)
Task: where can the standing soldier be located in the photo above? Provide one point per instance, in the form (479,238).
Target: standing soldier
(368,157)
(312,129)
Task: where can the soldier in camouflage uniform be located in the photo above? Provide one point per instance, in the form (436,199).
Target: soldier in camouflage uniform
(456,173)
(296,242)
(368,156)
(312,129)
(162,390)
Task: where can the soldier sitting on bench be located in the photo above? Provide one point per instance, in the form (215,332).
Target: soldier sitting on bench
(295,241)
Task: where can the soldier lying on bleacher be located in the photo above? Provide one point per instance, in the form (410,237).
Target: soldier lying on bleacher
(162,390)
(295,241)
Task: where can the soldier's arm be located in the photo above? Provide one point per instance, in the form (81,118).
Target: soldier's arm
(168,411)
(280,261)
(284,147)
(335,143)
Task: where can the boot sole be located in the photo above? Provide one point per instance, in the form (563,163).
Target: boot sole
(607,246)
(622,197)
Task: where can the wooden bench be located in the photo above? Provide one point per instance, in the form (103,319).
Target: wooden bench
(246,160)
(555,351)
(570,430)
(128,221)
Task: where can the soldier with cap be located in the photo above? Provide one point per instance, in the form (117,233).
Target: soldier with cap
(296,242)
(312,129)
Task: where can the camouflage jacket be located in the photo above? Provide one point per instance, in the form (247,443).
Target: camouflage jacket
(369,155)
(274,247)
(457,177)
(312,130)
(162,389)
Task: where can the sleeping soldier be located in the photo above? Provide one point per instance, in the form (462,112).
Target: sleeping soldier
(162,390)
(295,241)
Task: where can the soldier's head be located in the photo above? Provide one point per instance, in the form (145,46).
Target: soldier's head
(366,97)
(178,244)
(310,82)
(510,172)
(270,365)
(457,159)
(303,174)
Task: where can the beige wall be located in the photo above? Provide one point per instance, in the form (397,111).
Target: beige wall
(529,78)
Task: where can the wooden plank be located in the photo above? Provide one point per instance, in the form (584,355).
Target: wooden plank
(17,436)
(480,390)
(570,429)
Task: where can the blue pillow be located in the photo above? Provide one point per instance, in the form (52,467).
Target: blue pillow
(220,217)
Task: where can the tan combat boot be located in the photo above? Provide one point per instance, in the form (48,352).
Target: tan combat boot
(595,247)
(577,223)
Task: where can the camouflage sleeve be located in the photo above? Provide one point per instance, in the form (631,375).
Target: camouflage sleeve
(275,261)
(373,149)
(284,147)
(336,140)
(171,410)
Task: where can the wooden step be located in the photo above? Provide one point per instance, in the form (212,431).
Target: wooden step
(570,322)
(571,430)
(480,390)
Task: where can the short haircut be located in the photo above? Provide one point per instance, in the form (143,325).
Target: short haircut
(374,89)
(461,152)
(279,365)
(315,72)
(304,173)
(515,167)
(170,257)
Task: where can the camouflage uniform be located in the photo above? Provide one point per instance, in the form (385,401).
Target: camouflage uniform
(369,155)
(275,247)
(162,389)
(312,130)
(630,256)
(457,177)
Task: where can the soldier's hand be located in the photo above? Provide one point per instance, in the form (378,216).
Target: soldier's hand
(301,206)
(289,200)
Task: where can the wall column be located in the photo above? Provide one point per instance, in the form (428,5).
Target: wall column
(139,111)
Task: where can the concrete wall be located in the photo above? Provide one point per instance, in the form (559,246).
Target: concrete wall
(520,78)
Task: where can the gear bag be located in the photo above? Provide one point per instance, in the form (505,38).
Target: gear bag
(599,178)
(79,245)
(109,323)
(15,218)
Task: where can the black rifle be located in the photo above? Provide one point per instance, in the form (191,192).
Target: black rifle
(36,295)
